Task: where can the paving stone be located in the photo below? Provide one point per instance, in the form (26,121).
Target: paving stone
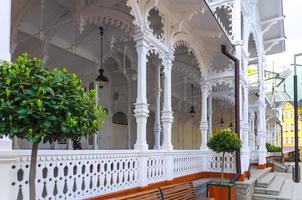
(297,191)
(287,190)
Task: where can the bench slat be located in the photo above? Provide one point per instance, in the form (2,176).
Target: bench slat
(146,195)
(183,191)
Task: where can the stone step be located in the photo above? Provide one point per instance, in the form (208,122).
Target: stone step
(273,188)
(266,180)
(285,194)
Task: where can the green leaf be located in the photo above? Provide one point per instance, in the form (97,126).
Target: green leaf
(47,124)
(22,111)
(40,77)
(48,89)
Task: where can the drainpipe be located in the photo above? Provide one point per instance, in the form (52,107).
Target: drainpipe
(237,107)
(281,142)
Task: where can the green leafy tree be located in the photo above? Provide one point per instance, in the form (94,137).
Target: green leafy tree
(41,105)
(225,141)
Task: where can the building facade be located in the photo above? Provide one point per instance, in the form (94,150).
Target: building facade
(289,127)
(163,59)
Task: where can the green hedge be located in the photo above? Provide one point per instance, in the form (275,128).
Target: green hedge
(272,148)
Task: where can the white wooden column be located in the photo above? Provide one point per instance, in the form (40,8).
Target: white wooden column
(245,123)
(5,21)
(210,117)
(157,125)
(261,117)
(167,114)
(141,107)
(204,119)
(252,131)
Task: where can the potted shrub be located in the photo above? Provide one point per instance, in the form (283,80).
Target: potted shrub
(41,105)
(273,150)
(225,141)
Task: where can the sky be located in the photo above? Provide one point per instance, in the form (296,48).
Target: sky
(293,31)
(292,9)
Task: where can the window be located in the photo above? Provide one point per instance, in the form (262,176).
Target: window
(292,140)
(286,127)
(286,140)
(291,127)
(119,118)
(285,115)
(292,114)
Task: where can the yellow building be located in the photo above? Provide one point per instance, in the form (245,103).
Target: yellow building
(289,127)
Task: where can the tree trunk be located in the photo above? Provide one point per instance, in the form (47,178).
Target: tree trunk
(32,171)
(222,167)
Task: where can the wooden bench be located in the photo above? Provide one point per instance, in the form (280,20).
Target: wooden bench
(182,191)
(145,195)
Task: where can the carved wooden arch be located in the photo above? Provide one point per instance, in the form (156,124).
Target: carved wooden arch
(252,29)
(112,16)
(140,11)
(19,20)
(118,60)
(182,39)
(224,98)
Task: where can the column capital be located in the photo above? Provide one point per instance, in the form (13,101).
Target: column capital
(141,39)
(204,87)
(167,63)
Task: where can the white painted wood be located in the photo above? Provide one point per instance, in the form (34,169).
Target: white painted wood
(204,119)
(167,114)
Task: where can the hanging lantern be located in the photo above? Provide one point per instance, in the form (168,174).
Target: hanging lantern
(101,78)
(192,111)
(221,122)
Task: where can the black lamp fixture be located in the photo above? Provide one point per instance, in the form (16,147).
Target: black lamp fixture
(221,122)
(192,111)
(231,125)
(101,78)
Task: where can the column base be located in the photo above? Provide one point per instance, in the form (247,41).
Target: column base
(167,147)
(204,149)
(245,159)
(6,144)
(262,157)
(141,147)
(157,147)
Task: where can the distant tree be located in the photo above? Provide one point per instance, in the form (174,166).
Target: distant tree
(40,105)
(225,141)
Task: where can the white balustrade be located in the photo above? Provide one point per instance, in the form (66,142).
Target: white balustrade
(254,158)
(82,174)
(214,162)
(74,174)
(156,166)
(187,162)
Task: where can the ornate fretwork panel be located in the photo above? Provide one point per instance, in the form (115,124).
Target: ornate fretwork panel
(223,11)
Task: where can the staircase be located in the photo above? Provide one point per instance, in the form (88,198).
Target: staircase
(274,186)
